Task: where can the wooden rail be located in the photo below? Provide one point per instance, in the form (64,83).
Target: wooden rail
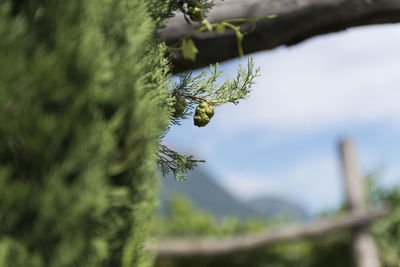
(209,247)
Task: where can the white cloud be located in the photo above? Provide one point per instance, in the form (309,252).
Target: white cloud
(251,185)
(315,183)
(331,81)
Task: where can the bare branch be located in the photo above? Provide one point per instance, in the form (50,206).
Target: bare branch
(296,20)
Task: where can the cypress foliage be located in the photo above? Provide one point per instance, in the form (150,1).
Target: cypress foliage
(82,106)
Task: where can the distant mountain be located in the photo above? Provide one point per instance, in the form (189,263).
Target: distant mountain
(205,194)
(208,195)
(272,206)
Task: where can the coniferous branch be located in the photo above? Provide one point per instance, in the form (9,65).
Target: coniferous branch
(196,95)
(205,88)
(198,98)
(197,89)
(170,161)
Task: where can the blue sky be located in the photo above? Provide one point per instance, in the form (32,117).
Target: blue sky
(282,141)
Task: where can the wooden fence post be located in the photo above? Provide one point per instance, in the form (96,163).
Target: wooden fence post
(364,247)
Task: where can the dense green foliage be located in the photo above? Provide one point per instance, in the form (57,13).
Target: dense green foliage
(80,122)
(331,250)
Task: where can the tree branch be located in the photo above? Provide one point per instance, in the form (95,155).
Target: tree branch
(296,20)
(194,97)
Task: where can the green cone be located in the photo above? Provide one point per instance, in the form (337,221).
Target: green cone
(203,114)
(179,106)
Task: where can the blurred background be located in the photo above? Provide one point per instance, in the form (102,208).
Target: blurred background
(274,158)
(282,141)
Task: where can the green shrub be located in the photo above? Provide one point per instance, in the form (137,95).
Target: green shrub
(82,107)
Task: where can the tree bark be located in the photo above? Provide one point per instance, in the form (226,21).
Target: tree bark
(296,20)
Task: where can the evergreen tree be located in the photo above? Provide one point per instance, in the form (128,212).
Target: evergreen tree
(85,100)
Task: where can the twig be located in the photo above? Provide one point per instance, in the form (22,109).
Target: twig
(194,97)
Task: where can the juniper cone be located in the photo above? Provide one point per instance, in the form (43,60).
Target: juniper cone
(179,106)
(203,114)
(196,14)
